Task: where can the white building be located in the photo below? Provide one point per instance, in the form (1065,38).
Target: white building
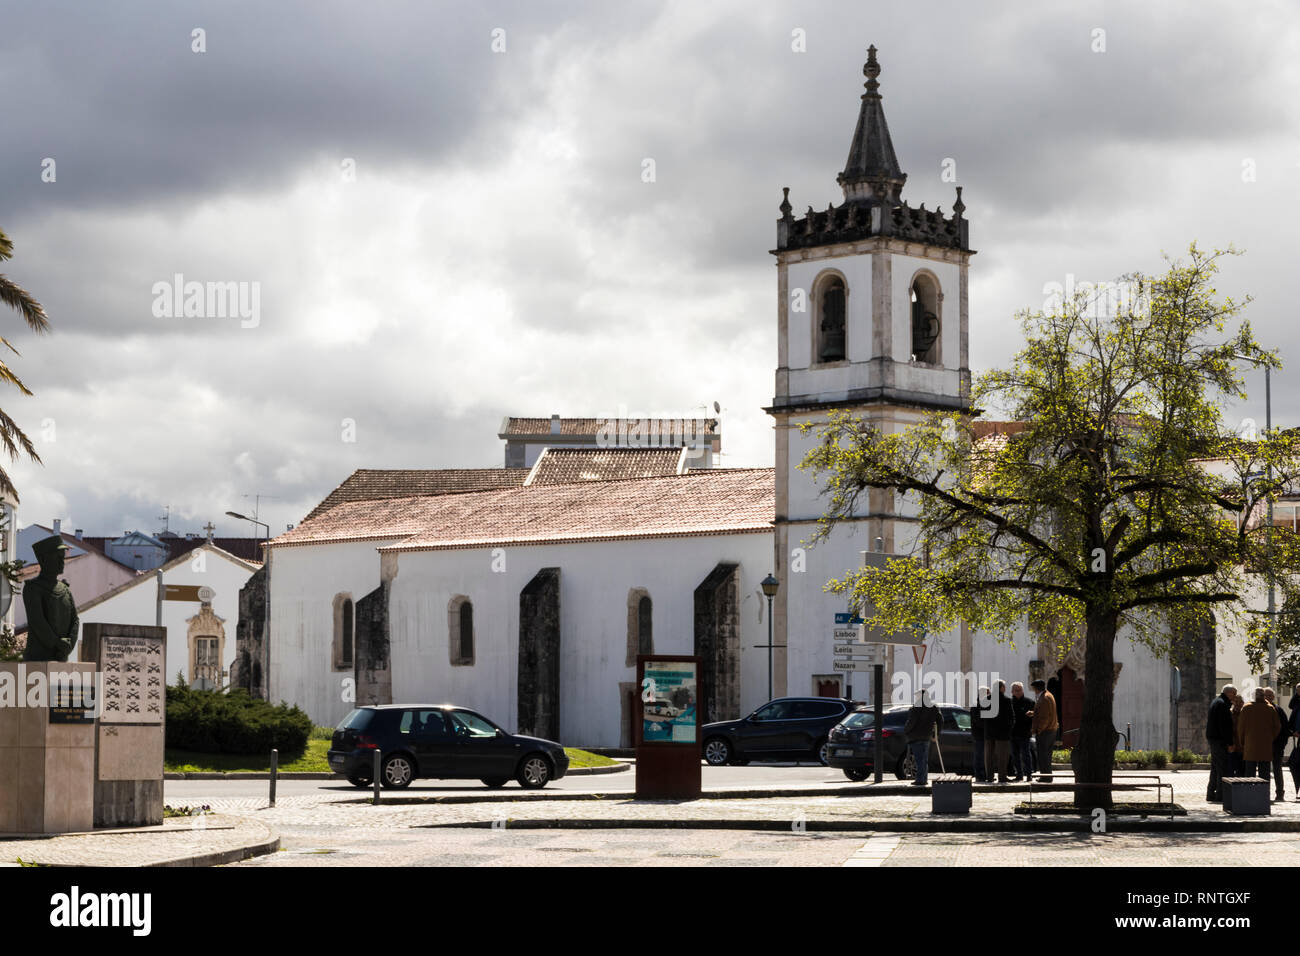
(200,635)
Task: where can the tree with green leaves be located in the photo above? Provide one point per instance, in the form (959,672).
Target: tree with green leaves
(12,438)
(1117,504)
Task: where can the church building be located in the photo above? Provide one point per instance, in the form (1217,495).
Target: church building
(527,591)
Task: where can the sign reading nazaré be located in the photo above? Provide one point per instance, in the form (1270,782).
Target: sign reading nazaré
(133,685)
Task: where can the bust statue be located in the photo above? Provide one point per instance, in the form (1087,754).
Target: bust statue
(52,625)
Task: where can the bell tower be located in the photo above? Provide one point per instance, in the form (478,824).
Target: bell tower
(872,320)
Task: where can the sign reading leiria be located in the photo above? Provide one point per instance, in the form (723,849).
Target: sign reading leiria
(81,691)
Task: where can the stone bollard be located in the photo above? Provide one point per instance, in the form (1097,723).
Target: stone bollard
(951,793)
(275,769)
(376,767)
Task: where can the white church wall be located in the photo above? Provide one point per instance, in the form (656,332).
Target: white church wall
(304,581)
(595,579)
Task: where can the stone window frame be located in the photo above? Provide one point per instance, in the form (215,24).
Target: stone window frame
(634,599)
(196,628)
(345,624)
(455,637)
(929,276)
(818,286)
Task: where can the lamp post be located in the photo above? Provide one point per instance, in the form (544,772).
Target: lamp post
(236,514)
(769,586)
(266,644)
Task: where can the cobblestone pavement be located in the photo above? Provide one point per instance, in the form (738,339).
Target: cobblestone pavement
(177,841)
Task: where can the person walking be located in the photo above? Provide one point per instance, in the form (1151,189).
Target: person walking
(1022,709)
(1220,735)
(1293,724)
(1279,743)
(1256,730)
(997,734)
(977,733)
(1044,727)
(923,721)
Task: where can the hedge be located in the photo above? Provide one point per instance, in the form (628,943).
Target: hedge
(209,721)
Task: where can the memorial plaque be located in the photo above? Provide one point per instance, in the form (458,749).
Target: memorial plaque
(134,692)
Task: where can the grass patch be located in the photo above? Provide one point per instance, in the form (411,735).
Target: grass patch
(585,758)
(313,760)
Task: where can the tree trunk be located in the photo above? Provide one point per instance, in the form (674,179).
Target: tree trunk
(1096,747)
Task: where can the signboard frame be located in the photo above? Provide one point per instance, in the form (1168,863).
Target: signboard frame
(668,769)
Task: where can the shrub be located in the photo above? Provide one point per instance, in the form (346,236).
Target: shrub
(209,721)
(1186,756)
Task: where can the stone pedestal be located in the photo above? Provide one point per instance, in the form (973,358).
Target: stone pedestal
(951,793)
(47,769)
(1246,796)
(130,737)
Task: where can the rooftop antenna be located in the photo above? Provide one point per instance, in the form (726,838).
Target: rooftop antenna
(166,518)
(257,502)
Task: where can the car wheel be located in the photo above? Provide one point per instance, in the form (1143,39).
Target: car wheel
(398,772)
(717,752)
(496,782)
(358,781)
(534,772)
(822,752)
(857,774)
(905,769)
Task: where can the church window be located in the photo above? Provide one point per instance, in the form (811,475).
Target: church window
(460,631)
(640,624)
(925,320)
(344,632)
(830,301)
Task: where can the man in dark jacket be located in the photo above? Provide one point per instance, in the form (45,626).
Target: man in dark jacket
(1022,721)
(998,720)
(1220,735)
(977,733)
(1279,743)
(923,722)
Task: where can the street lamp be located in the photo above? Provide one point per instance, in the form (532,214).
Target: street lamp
(1268,533)
(769,586)
(236,514)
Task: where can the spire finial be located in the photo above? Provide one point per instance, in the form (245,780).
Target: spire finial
(871,70)
(959,207)
(786,208)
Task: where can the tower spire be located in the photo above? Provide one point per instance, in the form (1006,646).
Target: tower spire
(872,171)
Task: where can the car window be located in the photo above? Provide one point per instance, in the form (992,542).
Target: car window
(425,723)
(463,721)
(859,720)
(777,710)
(817,708)
(961,718)
(356,720)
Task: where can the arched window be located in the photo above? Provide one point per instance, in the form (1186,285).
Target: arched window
(460,631)
(925,319)
(831,303)
(640,624)
(344,628)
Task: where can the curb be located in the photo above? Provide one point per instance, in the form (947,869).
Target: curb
(305,775)
(234,855)
(1039,825)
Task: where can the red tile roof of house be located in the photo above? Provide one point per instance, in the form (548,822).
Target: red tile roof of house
(719,501)
(374,484)
(564,466)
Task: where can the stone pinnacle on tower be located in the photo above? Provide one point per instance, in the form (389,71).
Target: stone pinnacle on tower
(872,172)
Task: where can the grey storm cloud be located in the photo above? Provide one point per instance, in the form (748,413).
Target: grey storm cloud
(501,252)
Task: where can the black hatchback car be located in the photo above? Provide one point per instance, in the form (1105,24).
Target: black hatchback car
(439,741)
(852,743)
(789,728)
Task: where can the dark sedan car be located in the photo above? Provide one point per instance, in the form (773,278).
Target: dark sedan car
(791,728)
(852,743)
(439,741)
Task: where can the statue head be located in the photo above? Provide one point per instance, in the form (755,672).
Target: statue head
(50,553)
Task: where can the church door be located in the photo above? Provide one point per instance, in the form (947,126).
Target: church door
(1071,707)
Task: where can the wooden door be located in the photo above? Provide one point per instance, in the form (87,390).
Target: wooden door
(1071,707)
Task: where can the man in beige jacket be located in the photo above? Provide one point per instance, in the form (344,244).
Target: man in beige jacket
(1256,728)
(1044,727)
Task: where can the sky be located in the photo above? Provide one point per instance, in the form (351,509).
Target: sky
(443,213)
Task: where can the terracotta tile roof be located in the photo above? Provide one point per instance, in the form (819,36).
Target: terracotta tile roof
(564,466)
(591,427)
(718,501)
(373,484)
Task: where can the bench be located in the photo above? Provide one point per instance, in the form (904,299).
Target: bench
(951,793)
(1246,796)
(1119,781)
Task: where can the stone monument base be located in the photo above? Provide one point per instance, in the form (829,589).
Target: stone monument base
(47,770)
